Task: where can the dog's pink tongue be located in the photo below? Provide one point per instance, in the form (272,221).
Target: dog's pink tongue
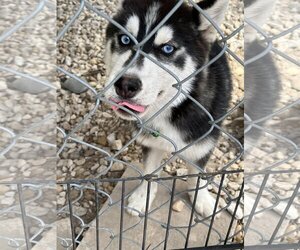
(137,108)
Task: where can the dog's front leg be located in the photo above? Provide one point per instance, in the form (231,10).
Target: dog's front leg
(205,202)
(137,200)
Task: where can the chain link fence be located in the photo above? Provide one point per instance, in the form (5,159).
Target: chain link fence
(271,213)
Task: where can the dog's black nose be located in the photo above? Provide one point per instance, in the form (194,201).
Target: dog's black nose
(128,87)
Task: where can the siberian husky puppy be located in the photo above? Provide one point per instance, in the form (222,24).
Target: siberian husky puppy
(182,45)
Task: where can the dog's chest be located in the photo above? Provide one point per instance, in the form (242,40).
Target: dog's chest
(164,136)
(169,139)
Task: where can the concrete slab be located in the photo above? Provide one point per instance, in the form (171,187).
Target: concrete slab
(109,223)
(64,235)
(57,238)
(265,221)
(48,241)
(11,233)
(262,228)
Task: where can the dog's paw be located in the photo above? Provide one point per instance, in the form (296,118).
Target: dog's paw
(239,212)
(205,203)
(136,204)
(137,201)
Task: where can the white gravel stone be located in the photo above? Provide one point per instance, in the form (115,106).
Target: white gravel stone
(68,61)
(12,169)
(283,186)
(111,138)
(7,201)
(27,173)
(106,115)
(19,61)
(38,210)
(218,153)
(181,171)
(38,162)
(80,162)
(2,86)
(101,169)
(117,145)
(280,156)
(93,168)
(61,200)
(233,185)
(178,206)
(291,232)
(296,164)
(168,168)
(80,211)
(9,194)
(117,166)
(4,189)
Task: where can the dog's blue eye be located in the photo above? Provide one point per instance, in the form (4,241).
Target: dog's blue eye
(168,49)
(125,40)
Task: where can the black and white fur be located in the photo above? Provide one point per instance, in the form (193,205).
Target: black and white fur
(183,121)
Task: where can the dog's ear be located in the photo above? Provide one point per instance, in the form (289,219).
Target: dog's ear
(216,10)
(258,12)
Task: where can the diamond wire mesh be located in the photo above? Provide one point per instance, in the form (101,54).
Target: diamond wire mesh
(142,125)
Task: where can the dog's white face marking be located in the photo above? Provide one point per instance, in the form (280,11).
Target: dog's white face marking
(115,63)
(155,80)
(133,25)
(164,35)
(151,16)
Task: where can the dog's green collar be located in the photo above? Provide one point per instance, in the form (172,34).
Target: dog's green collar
(155,134)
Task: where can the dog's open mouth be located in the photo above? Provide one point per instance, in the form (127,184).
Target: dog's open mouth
(134,107)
